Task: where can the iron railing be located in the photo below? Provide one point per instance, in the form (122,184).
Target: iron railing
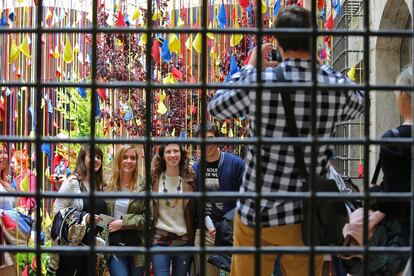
(258,141)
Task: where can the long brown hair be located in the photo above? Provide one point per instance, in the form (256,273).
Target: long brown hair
(114,183)
(81,170)
(159,166)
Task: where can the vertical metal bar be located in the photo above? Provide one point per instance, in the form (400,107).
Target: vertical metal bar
(38,134)
(314,146)
(258,134)
(366,39)
(92,178)
(411,261)
(39,86)
(148,127)
(203,145)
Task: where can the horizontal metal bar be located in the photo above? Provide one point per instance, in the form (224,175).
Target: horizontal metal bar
(353,177)
(251,31)
(215,86)
(258,141)
(220,250)
(221,195)
(302,141)
(346,158)
(348,123)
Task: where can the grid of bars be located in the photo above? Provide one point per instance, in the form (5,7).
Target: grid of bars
(257,140)
(340,47)
(346,156)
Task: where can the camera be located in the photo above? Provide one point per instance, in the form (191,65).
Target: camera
(276,56)
(57,177)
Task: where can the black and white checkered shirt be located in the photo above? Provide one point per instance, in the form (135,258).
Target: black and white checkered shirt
(279,172)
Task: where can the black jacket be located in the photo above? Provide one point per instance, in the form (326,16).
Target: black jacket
(396,166)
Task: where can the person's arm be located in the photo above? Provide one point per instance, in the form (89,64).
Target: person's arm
(233,102)
(355,105)
(70,185)
(10,201)
(133,221)
(239,172)
(355,99)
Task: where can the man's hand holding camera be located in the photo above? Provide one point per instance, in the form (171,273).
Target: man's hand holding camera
(266,53)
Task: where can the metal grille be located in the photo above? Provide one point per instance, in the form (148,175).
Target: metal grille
(149,142)
(350,12)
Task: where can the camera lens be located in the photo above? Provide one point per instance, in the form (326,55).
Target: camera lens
(276,55)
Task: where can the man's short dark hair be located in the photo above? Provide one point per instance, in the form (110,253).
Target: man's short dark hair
(293,17)
(210,127)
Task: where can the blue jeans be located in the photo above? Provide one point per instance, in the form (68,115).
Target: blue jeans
(161,264)
(121,265)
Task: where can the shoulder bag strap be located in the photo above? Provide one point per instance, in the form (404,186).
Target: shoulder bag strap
(376,173)
(81,186)
(396,133)
(292,128)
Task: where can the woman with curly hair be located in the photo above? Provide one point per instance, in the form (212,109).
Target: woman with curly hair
(173,218)
(128,226)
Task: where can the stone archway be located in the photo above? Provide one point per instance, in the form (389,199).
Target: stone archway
(395,16)
(386,64)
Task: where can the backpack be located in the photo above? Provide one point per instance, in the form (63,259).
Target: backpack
(69,226)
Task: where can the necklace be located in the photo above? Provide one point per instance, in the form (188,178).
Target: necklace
(167,201)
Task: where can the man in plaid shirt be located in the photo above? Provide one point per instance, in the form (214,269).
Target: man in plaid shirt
(281,218)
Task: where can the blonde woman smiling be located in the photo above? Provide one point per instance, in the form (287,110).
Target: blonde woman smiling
(128,226)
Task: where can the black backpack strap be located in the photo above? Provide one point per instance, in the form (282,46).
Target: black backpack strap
(82,187)
(376,173)
(395,133)
(292,128)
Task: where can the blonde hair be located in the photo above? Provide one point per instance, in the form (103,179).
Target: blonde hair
(404,97)
(114,183)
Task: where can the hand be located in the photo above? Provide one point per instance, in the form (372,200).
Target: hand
(212,234)
(6,186)
(58,178)
(115,225)
(98,218)
(87,218)
(266,50)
